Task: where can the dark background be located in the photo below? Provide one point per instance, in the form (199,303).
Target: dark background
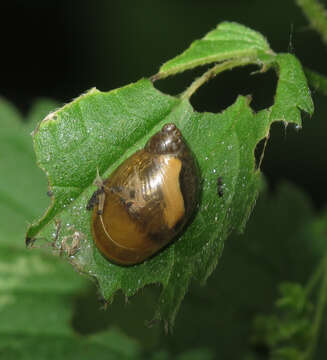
(59,49)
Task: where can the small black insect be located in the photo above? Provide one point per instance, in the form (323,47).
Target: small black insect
(220,190)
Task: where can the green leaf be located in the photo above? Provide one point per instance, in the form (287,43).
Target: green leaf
(111,344)
(292,93)
(10,118)
(45,284)
(22,184)
(291,325)
(100,130)
(228,41)
(293,297)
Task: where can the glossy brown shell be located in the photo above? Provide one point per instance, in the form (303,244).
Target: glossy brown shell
(147,200)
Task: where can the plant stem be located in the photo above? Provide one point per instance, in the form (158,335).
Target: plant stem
(319,313)
(316,15)
(317,81)
(211,73)
(316,276)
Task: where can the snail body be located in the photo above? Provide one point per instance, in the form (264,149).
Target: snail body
(147,200)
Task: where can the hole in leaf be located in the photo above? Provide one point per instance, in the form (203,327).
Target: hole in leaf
(176,84)
(221,92)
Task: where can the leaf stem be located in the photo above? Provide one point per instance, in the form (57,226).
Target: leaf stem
(316,15)
(316,276)
(317,81)
(322,298)
(214,71)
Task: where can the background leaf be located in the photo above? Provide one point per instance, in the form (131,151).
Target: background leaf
(23,196)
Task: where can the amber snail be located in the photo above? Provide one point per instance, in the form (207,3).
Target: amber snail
(147,200)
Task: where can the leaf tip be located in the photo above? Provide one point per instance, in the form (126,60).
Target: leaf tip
(52,116)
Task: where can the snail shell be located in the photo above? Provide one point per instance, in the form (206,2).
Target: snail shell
(147,200)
